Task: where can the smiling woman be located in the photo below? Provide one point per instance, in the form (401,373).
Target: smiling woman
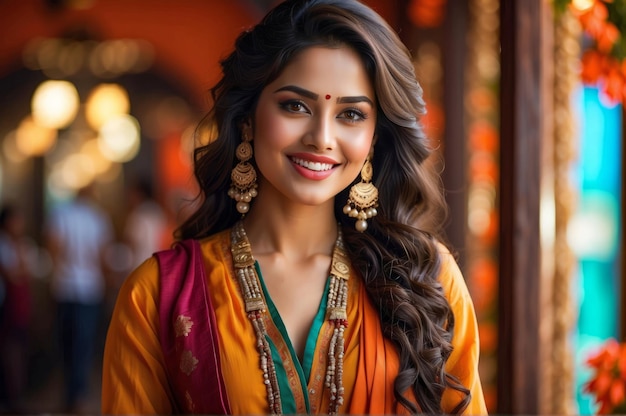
(312,278)
(296,133)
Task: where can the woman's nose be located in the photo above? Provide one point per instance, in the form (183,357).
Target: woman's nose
(322,134)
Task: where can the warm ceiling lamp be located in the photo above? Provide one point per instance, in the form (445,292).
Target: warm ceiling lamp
(99,163)
(55,104)
(119,138)
(106,101)
(33,139)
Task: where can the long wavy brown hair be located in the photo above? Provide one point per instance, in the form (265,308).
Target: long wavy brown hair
(398,256)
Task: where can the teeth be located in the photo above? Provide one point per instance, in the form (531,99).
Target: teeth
(316,166)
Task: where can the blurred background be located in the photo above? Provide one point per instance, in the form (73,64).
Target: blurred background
(99,99)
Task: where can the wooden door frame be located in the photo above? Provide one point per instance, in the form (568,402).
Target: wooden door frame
(526,39)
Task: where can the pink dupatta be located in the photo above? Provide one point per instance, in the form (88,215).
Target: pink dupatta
(188,335)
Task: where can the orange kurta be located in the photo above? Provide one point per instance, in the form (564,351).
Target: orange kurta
(134,374)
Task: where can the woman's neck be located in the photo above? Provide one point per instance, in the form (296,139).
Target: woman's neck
(296,233)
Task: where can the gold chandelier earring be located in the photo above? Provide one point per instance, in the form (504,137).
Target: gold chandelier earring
(363,197)
(243,176)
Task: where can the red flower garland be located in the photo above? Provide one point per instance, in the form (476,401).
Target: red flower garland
(599,64)
(608,384)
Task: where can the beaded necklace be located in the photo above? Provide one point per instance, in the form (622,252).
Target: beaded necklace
(256,309)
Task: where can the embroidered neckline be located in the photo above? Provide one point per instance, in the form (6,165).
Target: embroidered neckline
(256,309)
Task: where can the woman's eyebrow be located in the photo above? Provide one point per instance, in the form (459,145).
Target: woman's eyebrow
(355,99)
(313,96)
(299,90)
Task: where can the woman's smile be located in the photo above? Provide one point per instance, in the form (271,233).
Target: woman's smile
(312,166)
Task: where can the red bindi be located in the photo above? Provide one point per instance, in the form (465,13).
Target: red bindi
(328,96)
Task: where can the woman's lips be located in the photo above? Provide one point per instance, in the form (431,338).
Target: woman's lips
(313,167)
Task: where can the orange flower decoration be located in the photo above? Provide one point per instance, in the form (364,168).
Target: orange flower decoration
(594,17)
(607,38)
(593,63)
(600,65)
(608,384)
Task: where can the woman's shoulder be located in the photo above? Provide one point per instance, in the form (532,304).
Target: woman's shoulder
(216,241)
(450,275)
(207,245)
(144,279)
(447,258)
(140,289)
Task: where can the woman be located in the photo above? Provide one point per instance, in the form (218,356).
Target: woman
(311,278)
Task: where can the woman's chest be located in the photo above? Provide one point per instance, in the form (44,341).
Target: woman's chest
(301,373)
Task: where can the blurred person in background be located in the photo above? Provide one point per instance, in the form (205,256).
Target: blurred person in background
(146,227)
(78,233)
(16,311)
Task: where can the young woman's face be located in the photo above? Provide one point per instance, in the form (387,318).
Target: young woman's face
(314,126)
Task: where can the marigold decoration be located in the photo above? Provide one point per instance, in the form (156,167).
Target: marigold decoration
(608,384)
(603,61)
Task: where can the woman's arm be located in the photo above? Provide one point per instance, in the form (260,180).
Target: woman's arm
(134,379)
(463,361)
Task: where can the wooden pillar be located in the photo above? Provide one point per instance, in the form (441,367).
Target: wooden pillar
(455,140)
(525,105)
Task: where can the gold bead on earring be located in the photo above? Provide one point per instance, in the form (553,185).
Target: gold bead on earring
(363,197)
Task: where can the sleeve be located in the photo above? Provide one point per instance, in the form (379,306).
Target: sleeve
(134,379)
(463,361)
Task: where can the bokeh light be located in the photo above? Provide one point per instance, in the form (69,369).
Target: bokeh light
(119,138)
(55,104)
(106,101)
(33,139)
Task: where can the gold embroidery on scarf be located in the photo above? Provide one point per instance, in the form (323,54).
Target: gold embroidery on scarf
(182,325)
(190,405)
(188,362)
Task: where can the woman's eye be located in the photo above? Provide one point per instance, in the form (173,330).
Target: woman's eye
(354,115)
(294,106)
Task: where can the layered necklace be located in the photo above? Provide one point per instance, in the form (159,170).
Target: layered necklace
(256,309)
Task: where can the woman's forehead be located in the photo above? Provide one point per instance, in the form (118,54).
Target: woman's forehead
(327,71)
